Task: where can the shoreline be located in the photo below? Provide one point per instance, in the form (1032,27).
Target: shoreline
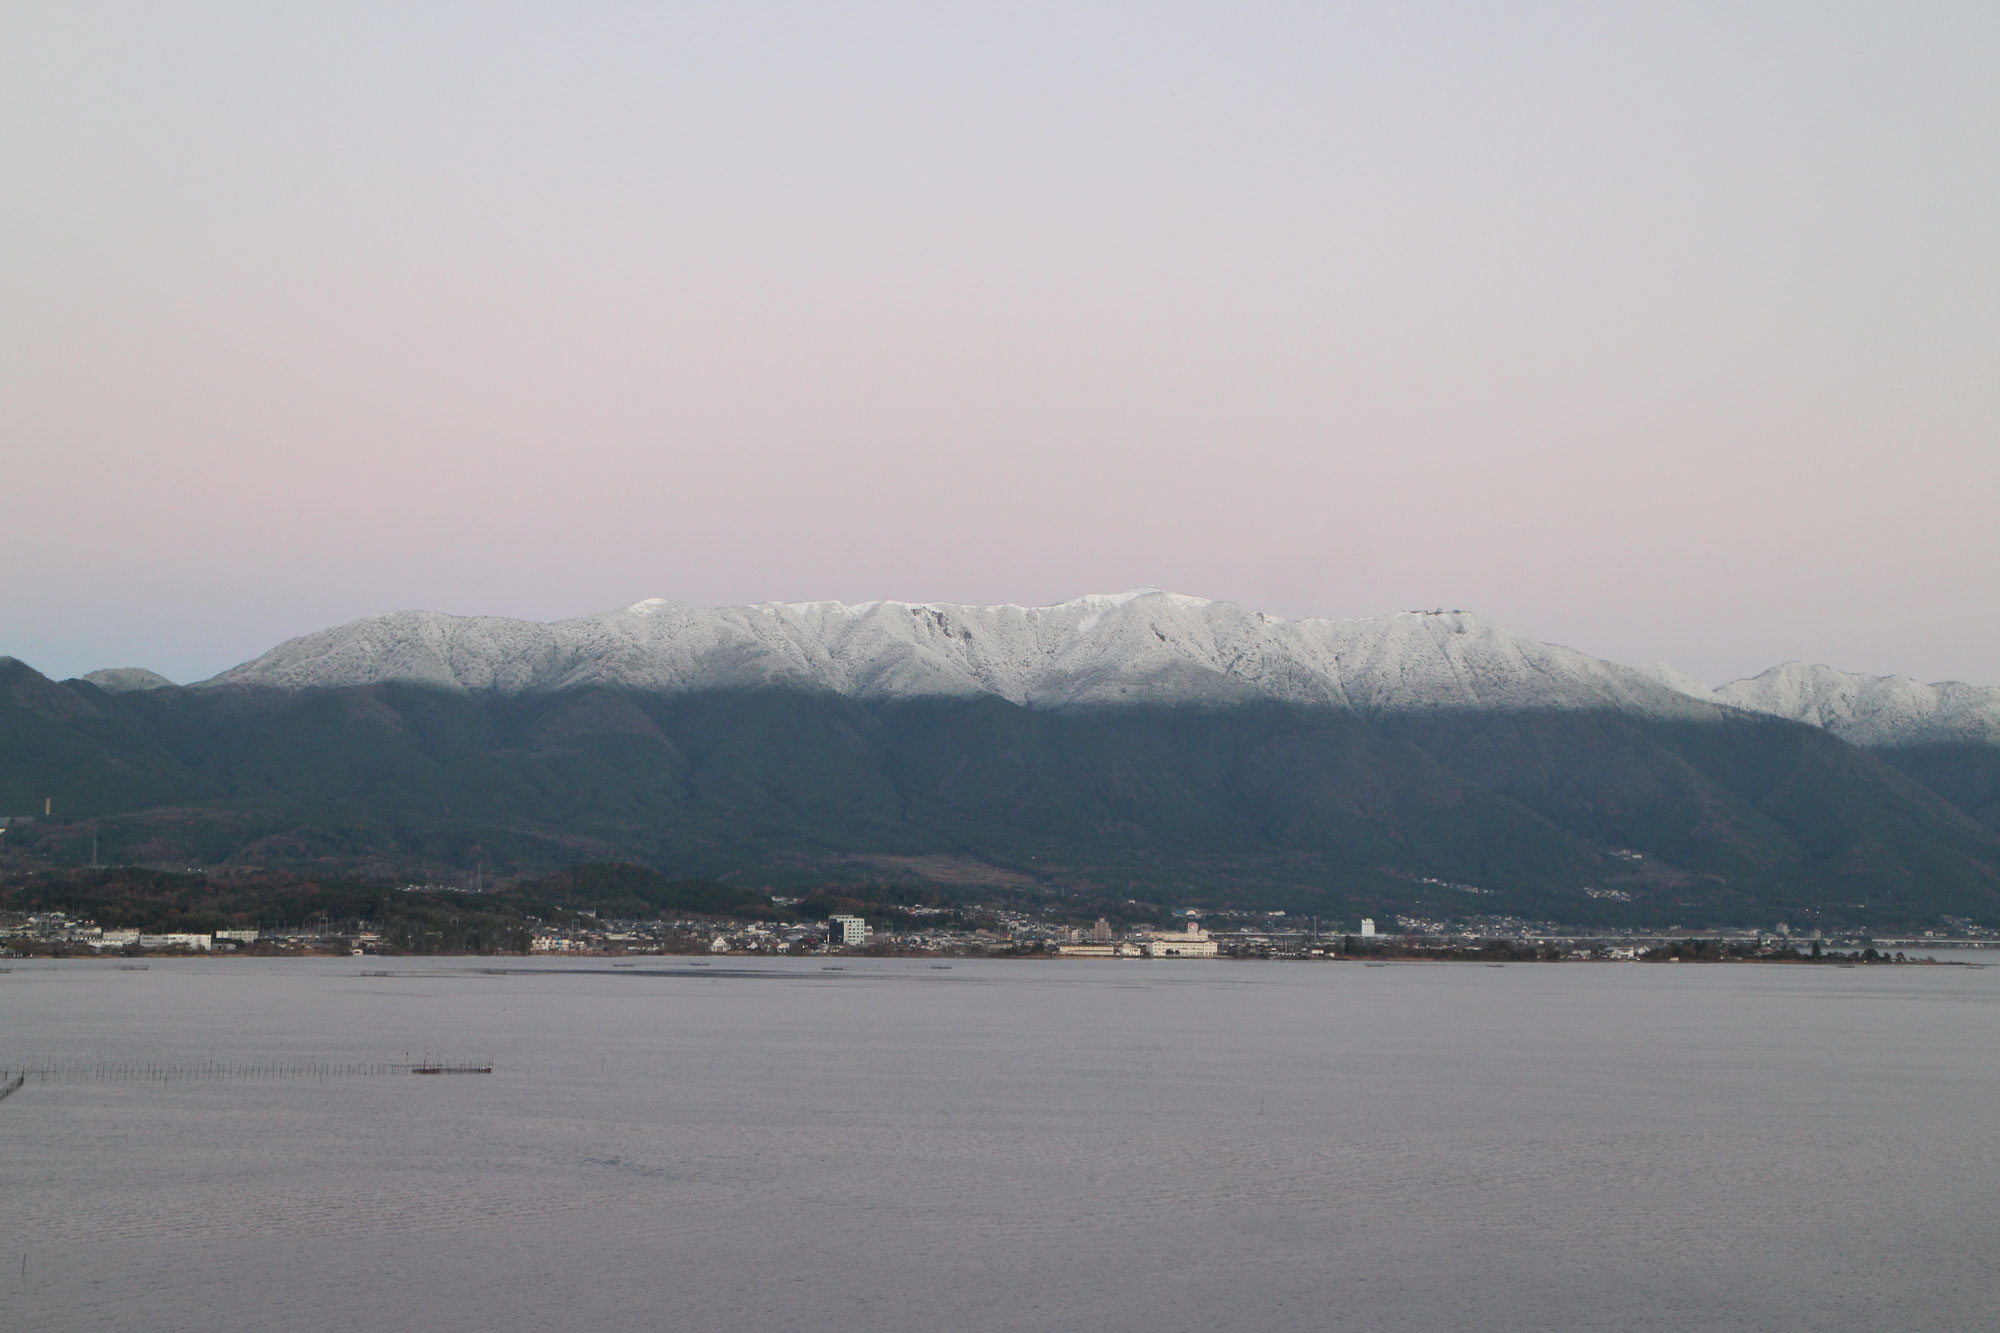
(1830,958)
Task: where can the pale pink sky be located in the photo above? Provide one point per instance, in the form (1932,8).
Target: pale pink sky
(1670,335)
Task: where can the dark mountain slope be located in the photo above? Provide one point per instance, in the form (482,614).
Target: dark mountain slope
(1966,775)
(71,745)
(1573,815)
(1752,800)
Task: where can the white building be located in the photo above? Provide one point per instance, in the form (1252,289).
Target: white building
(847,930)
(1115,949)
(1190,943)
(1367,927)
(176,941)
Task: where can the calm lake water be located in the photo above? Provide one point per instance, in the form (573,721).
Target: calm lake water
(1009,1145)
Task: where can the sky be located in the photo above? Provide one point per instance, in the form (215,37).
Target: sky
(1668,332)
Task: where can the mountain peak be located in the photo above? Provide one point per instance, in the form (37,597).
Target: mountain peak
(120,680)
(1872,710)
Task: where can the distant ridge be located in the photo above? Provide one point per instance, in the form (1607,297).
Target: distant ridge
(1144,646)
(1876,711)
(118,680)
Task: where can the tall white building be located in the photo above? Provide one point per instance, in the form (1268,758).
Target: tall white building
(847,930)
(1367,926)
(1191,943)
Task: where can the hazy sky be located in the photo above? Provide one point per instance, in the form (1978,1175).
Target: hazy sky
(1669,332)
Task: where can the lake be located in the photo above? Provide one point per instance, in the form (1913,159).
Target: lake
(1052,1145)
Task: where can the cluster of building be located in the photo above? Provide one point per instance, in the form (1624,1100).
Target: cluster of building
(42,929)
(1010,933)
(695,935)
(204,942)
(47,928)
(1189,942)
(1003,932)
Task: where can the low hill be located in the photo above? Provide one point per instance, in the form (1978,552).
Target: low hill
(617,890)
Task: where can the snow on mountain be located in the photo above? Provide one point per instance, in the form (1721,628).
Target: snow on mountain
(1872,710)
(1143,646)
(1674,679)
(119,680)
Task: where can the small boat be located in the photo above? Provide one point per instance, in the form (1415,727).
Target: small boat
(451,1069)
(132,967)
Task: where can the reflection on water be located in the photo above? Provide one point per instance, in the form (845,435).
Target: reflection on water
(1006,1145)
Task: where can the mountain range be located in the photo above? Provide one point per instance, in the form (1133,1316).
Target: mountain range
(1144,646)
(1425,762)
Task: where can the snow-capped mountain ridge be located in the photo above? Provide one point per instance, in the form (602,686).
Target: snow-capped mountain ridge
(1144,645)
(1141,646)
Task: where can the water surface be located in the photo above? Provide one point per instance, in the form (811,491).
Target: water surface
(1020,1145)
